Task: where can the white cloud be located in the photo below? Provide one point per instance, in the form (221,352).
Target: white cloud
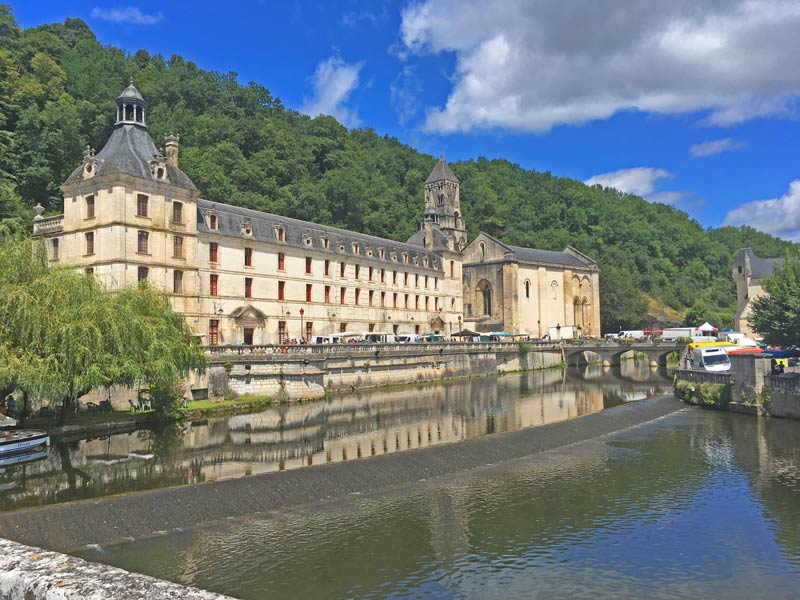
(404,93)
(533,64)
(714,147)
(640,181)
(333,82)
(353,19)
(126,14)
(777,216)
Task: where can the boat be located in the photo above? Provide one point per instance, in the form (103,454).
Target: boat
(18,441)
(22,440)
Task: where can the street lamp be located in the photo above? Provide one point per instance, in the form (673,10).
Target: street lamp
(302,331)
(558,331)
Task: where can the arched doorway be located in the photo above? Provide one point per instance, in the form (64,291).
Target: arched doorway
(483,296)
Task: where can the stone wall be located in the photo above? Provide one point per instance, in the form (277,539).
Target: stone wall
(308,376)
(28,573)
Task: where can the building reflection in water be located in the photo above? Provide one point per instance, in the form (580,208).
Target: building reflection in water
(341,428)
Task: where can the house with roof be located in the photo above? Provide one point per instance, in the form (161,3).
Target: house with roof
(241,276)
(748,272)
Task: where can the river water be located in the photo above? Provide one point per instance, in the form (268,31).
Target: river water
(695,504)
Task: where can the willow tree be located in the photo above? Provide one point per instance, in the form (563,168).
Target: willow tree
(63,334)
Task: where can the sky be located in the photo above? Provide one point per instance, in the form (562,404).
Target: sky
(692,104)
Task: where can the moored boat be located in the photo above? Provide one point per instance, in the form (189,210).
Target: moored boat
(22,440)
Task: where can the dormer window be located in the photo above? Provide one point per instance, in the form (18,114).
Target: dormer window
(280,234)
(212,222)
(89,170)
(356,248)
(381,253)
(247,229)
(326,242)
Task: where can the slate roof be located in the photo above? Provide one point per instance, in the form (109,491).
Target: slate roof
(128,151)
(548,256)
(231,221)
(760,268)
(441,172)
(439,240)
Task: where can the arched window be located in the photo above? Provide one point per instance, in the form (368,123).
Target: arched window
(452,269)
(527,288)
(484,298)
(482,246)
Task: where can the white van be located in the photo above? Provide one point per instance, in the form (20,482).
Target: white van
(327,339)
(375,337)
(408,338)
(714,359)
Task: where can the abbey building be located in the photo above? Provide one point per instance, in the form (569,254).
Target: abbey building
(242,276)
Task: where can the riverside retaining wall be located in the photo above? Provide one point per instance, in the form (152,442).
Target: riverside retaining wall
(304,373)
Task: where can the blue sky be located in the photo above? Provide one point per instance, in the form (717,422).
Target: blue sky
(688,103)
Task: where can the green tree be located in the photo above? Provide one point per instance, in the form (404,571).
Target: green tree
(622,305)
(62,334)
(776,315)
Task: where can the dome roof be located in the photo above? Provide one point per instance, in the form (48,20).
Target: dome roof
(131,93)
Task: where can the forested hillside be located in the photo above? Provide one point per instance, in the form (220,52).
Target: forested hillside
(240,145)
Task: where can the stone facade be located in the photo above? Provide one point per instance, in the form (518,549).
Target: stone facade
(528,291)
(748,271)
(248,277)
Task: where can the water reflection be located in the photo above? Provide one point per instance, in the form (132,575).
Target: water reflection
(700,504)
(342,428)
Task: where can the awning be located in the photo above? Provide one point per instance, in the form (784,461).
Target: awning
(707,327)
(465,333)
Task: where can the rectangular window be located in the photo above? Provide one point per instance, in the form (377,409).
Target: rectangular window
(308,292)
(394,277)
(426,282)
(342,327)
(55,249)
(177,247)
(369,274)
(308,265)
(383,299)
(142,238)
(89,270)
(248,287)
(416,280)
(383,275)
(248,257)
(309,330)
(452,269)
(90,243)
(177,213)
(406,301)
(325,242)
(177,282)
(372,327)
(281,290)
(436,283)
(327,268)
(90,207)
(281,234)
(405,279)
(281,261)
(371,297)
(342,293)
(342,267)
(394,300)
(358,270)
(212,285)
(141,205)
(327,294)
(358,294)
(141,274)
(212,222)
(426,302)
(281,332)
(436,303)
(213,332)
(213,252)
(416,302)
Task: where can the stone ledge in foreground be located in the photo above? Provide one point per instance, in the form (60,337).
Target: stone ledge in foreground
(28,573)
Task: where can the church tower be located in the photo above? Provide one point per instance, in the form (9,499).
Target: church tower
(443,203)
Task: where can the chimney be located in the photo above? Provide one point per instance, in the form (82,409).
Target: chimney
(171,148)
(428,227)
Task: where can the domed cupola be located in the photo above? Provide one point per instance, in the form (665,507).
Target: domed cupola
(131,107)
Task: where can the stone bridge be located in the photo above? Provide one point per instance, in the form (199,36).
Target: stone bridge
(610,353)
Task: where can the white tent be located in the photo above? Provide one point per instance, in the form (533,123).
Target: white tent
(707,327)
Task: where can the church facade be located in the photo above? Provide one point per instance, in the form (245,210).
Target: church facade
(748,272)
(241,276)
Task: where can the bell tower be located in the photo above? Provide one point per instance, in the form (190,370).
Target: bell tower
(442,199)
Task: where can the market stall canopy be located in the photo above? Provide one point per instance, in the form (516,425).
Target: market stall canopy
(707,327)
(465,333)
